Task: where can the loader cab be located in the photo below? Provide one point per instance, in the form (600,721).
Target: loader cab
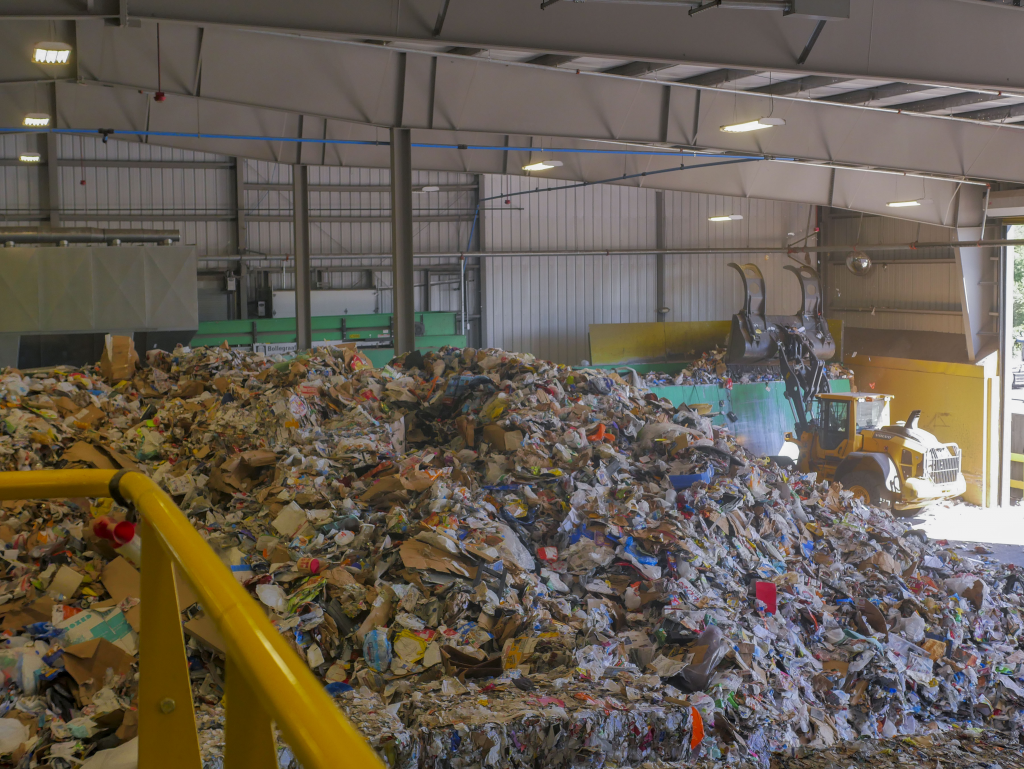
(838,421)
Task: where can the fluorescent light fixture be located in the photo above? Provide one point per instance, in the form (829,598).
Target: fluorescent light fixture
(542,165)
(51,53)
(907,203)
(427,189)
(29,157)
(753,125)
(36,119)
(726,218)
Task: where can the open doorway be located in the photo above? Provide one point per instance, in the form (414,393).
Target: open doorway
(1015,255)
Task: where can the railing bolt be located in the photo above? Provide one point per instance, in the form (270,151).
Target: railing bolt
(167,705)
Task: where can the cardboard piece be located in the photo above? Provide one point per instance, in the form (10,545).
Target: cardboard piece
(89,416)
(189,388)
(290,520)
(883,562)
(379,616)
(467,429)
(204,630)
(18,614)
(936,648)
(384,486)
(871,620)
(65,582)
(680,443)
(122,580)
(420,555)
(66,406)
(836,666)
(119,358)
(88,663)
(500,439)
(110,624)
(241,472)
(100,457)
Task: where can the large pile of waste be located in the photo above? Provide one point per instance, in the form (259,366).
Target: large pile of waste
(489,560)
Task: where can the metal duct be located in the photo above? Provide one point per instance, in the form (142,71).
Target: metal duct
(21,236)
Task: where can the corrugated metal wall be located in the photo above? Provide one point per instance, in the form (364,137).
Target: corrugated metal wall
(545,304)
(541,305)
(197,201)
(921,295)
(703,286)
(19,184)
(340,249)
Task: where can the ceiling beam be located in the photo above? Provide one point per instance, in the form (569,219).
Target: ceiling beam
(553,59)
(875,93)
(799,85)
(942,103)
(720,77)
(637,68)
(995,113)
(909,41)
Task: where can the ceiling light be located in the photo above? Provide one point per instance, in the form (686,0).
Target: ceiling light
(36,119)
(51,53)
(907,203)
(426,189)
(30,157)
(726,218)
(753,125)
(542,165)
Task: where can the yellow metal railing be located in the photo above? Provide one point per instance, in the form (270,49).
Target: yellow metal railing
(1016,459)
(267,683)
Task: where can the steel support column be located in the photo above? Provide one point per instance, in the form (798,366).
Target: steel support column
(300,195)
(660,308)
(52,179)
(243,289)
(1004,285)
(402,289)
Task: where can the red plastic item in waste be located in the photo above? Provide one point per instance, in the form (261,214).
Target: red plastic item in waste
(120,533)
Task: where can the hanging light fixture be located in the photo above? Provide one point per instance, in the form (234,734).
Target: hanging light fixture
(542,165)
(907,203)
(726,218)
(51,53)
(36,119)
(30,157)
(752,125)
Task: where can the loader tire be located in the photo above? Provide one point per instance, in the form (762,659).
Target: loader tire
(867,487)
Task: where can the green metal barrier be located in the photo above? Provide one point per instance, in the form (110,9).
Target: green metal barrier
(439,330)
(764,414)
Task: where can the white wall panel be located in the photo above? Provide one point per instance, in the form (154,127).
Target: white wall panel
(195,193)
(328,238)
(20,192)
(544,305)
(703,286)
(910,297)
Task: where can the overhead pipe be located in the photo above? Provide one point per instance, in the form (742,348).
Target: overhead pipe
(14,236)
(788,250)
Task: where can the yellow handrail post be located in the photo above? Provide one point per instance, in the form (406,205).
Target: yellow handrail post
(266,680)
(248,734)
(167,720)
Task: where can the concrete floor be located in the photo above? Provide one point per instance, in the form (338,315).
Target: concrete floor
(965,526)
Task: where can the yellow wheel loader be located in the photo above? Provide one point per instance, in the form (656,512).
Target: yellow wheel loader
(841,436)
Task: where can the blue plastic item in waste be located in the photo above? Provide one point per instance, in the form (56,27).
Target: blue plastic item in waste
(640,557)
(686,481)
